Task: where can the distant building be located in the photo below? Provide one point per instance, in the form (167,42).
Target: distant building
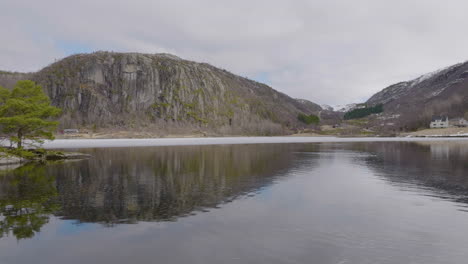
(71,131)
(439,122)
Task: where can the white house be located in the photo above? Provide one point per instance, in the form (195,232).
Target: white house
(439,122)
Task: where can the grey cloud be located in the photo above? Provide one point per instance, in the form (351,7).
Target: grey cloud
(332,52)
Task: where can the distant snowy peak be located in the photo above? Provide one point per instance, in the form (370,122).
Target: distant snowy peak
(327,107)
(339,108)
(344,108)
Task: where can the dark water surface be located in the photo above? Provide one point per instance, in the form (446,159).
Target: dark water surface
(394,202)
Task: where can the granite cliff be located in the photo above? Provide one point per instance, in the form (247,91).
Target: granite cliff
(162,92)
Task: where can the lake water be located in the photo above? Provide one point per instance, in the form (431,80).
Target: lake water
(344,202)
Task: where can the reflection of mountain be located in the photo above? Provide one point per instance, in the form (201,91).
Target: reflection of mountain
(126,185)
(131,184)
(437,165)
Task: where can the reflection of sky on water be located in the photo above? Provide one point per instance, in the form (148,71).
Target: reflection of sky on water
(73,227)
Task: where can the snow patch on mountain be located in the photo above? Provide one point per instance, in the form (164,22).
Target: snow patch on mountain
(344,108)
(429,75)
(327,107)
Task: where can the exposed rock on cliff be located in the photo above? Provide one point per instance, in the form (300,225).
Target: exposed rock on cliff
(155,91)
(9,79)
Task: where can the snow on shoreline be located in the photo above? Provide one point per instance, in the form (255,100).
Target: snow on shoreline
(108,143)
(448,136)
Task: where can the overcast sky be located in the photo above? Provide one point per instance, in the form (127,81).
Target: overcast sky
(330,52)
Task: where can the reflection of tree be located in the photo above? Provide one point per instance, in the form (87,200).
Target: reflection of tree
(26,200)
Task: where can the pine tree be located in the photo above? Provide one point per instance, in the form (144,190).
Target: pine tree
(25,113)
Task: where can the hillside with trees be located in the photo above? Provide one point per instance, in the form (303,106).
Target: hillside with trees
(410,105)
(363,112)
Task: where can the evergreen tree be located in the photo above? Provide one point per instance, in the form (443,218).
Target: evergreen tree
(363,112)
(25,113)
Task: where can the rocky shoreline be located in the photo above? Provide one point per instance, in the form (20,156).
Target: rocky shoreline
(5,159)
(10,159)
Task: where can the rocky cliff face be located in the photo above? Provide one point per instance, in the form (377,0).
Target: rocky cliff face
(154,91)
(411,104)
(9,79)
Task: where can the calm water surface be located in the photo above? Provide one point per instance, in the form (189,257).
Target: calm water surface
(381,202)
